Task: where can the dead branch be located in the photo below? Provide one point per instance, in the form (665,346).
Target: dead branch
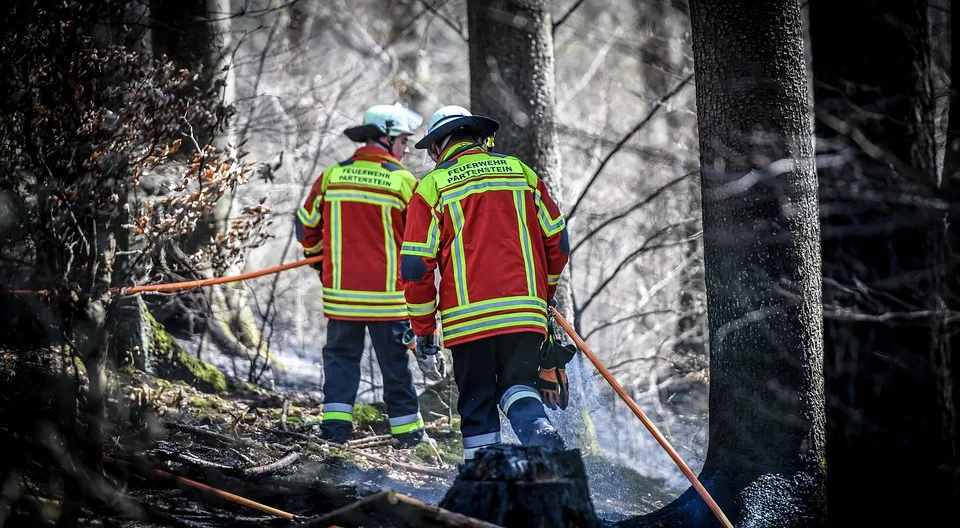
(206,464)
(361,441)
(639,126)
(283,413)
(566,15)
(636,205)
(273,467)
(392,498)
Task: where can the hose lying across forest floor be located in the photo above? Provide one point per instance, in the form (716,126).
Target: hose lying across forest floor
(581,344)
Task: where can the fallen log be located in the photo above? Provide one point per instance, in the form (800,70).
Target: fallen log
(387,503)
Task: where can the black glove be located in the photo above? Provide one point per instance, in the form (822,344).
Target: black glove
(431,361)
(428,345)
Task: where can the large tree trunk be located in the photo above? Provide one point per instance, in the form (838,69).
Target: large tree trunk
(764,463)
(887,359)
(512,80)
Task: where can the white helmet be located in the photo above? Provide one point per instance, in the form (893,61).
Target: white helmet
(385,120)
(453,117)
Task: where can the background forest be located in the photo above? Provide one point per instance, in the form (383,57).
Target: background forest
(799,174)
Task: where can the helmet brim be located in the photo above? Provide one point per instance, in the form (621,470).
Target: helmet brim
(363,133)
(480,125)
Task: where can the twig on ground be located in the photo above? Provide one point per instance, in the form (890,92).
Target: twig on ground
(361,441)
(273,467)
(393,498)
(199,462)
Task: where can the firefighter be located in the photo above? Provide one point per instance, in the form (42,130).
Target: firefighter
(354,217)
(488,224)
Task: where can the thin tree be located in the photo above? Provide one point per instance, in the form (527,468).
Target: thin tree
(762,263)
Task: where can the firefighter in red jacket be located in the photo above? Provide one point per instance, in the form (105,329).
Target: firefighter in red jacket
(354,216)
(487,222)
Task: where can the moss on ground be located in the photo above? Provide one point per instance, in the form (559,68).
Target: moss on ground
(171,361)
(365,414)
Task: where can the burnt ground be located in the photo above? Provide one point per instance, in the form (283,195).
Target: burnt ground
(240,441)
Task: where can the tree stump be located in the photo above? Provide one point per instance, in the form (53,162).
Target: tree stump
(514,485)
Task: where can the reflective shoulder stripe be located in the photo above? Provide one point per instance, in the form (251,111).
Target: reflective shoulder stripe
(373,198)
(430,246)
(311,217)
(551,226)
(485,184)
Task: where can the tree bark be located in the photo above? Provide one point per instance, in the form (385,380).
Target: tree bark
(885,258)
(764,462)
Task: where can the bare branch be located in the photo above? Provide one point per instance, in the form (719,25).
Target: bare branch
(437,13)
(646,247)
(622,319)
(639,126)
(636,205)
(566,15)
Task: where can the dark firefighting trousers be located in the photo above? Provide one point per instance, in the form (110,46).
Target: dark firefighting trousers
(500,371)
(341,369)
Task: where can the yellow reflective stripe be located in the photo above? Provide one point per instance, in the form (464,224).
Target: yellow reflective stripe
(313,248)
(362,310)
(307,218)
(459,259)
(494,322)
(428,248)
(358,196)
(421,309)
(336,242)
(525,244)
(372,297)
(553,280)
(487,184)
(390,248)
(337,415)
(451,315)
(551,226)
(400,429)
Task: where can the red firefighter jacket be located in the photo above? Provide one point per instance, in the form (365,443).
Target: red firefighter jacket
(488,224)
(354,215)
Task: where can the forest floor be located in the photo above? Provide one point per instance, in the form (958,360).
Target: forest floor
(255,443)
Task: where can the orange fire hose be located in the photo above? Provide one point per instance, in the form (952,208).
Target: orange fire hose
(714,507)
(220,493)
(189,285)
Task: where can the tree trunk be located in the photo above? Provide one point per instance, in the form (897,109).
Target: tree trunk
(764,463)
(512,80)
(884,247)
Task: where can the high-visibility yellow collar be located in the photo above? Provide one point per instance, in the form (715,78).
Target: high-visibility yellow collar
(458,148)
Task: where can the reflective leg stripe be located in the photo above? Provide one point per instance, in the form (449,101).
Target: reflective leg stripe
(472,444)
(515,393)
(405,424)
(338,411)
